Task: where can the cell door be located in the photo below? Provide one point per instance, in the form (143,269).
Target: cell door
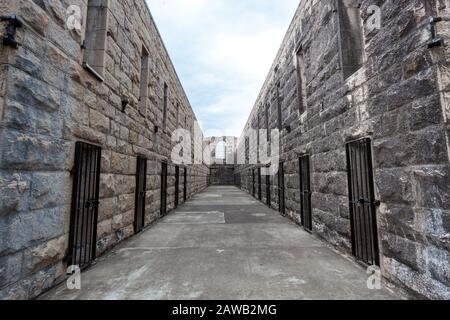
(163,188)
(185,185)
(177,185)
(305,193)
(141,194)
(281,190)
(268,191)
(253,183)
(259,185)
(362,202)
(85,201)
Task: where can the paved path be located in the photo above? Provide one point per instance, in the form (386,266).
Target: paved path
(223,244)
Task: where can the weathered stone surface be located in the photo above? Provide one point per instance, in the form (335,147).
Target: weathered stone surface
(107,208)
(47,254)
(21,117)
(21,151)
(49,190)
(10,269)
(395,186)
(433,187)
(98,121)
(25,229)
(49,101)
(119,163)
(398,97)
(14,190)
(32,92)
(402,250)
(104,229)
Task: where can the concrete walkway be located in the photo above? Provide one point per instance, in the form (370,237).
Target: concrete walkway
(223,244)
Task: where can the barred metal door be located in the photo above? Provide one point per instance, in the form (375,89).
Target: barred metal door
(185,185)
(85,202)
(141,193)
(259,185)
(268,193)
(305,192)
(253,183)
(362,202)
(163,188)
(281,193)
(177,185)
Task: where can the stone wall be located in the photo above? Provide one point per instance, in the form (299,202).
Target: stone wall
(48,101)
(399,99)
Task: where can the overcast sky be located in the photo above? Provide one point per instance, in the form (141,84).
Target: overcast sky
(222,51)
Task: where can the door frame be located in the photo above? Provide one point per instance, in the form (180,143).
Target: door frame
(177,186)
(164,187)
(259,184)
(362,202)
(281,190)
(138,196)
(79,186)
(185,184)
(268,191)
(305,192)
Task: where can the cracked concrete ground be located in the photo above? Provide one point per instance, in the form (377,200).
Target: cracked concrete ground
(223,245)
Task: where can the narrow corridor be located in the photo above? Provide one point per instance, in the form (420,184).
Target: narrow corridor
(223,244)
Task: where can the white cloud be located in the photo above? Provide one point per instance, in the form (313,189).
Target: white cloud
(223,50)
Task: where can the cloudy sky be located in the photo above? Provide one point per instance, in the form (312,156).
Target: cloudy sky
(222,50)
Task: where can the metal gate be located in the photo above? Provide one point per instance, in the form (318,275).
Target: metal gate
(268,193)
(85,201)
(253,183)
(185,185)
(362,202)
(141,193)
(177,185)
(163,189)
(281,193)
(259,185)
(305,192)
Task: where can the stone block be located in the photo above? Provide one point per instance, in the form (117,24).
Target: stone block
(333,182)
(22,230)
(32,120)
(126,202)
(32,92)
(128,218)
(402,250)
(439,265)
(98,121)
(10,268)
(119,163)
(50,190)
(432,187)
(395,186)
(45,255)
(14,192)
(429,146)
(108,208)
(22,151)
(34,16)
(108,185)
(117,222)
(104,229)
